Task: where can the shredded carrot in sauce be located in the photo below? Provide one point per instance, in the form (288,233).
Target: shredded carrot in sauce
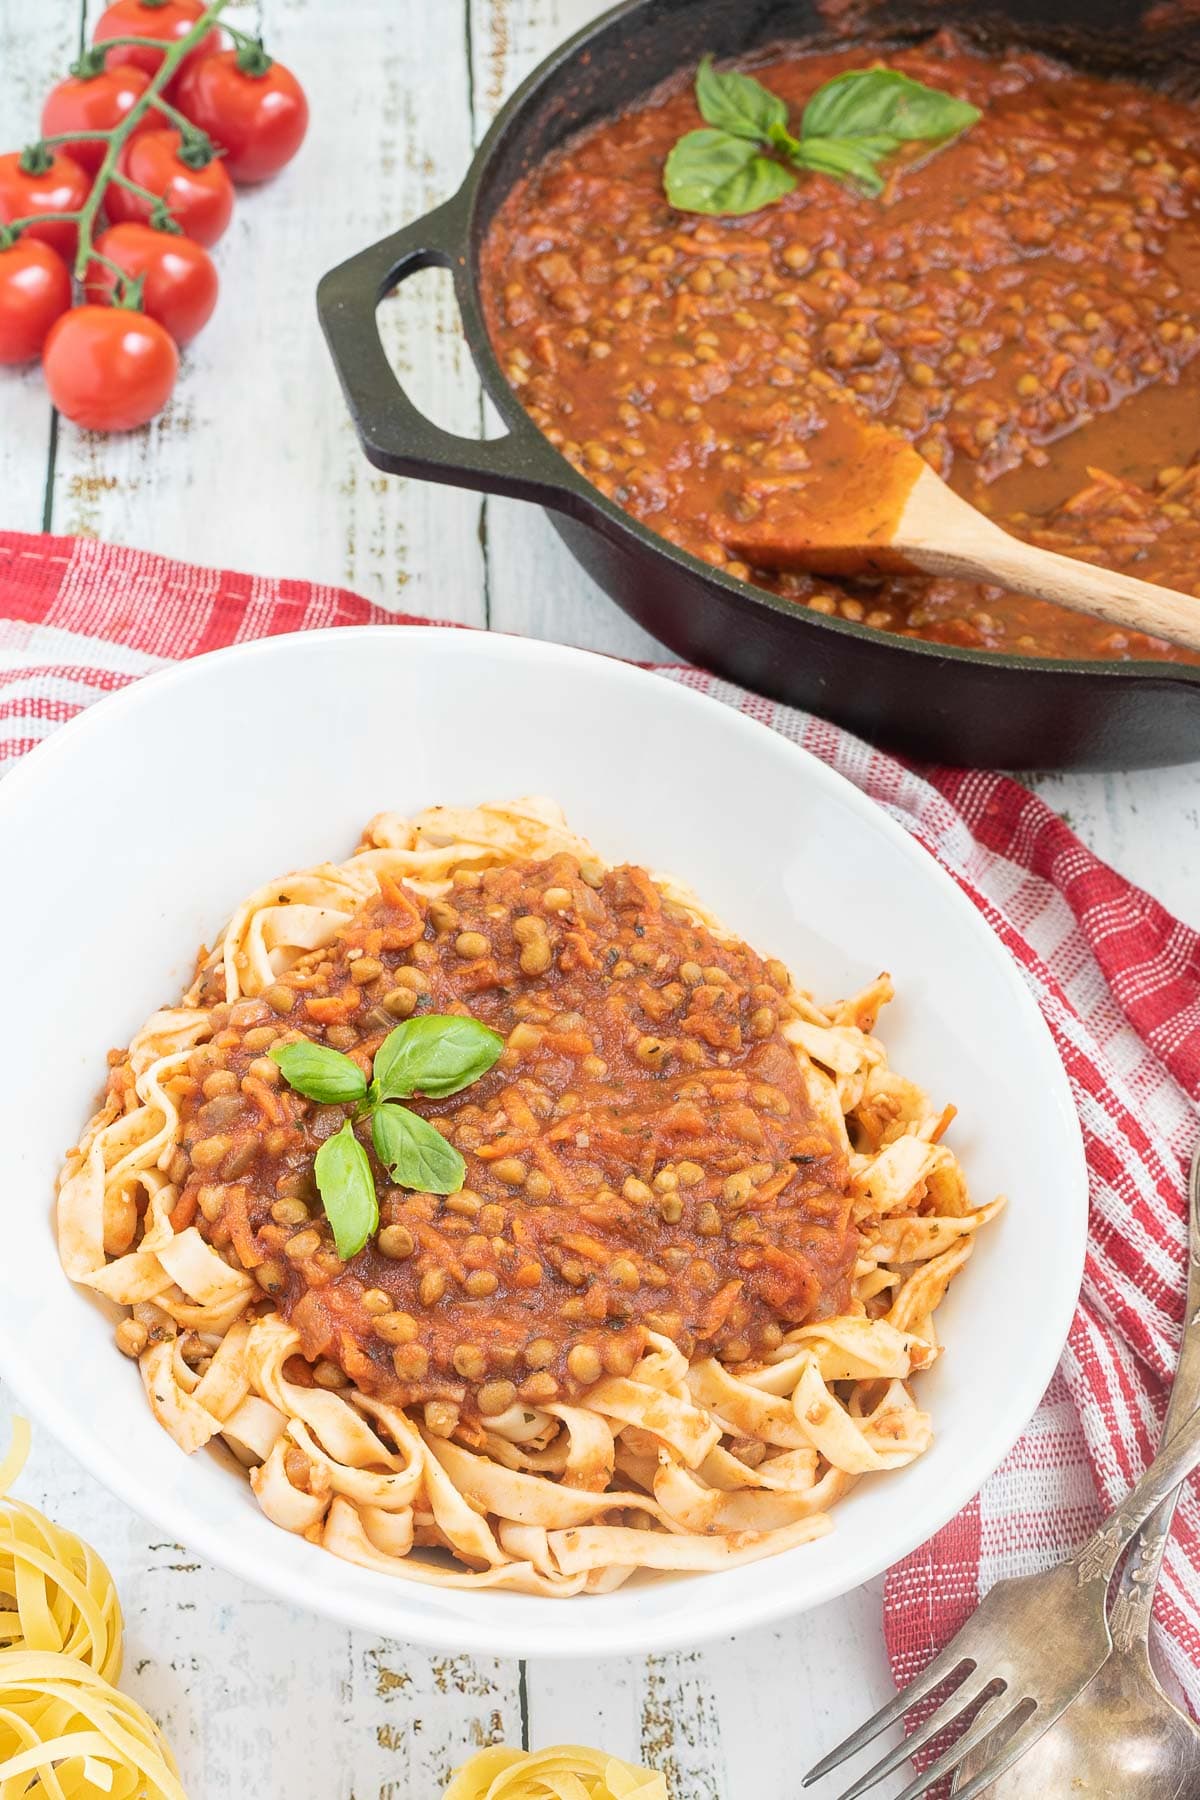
(644,1155)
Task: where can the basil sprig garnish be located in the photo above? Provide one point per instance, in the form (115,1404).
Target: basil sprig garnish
(747,159)
(435,1054)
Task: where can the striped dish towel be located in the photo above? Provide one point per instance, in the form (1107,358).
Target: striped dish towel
(1117,979)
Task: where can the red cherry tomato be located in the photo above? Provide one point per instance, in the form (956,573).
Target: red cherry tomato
(35,289)
(61,187)
(144,18)
(200,200)
(108,368)
(253,107)
(179,282)
(95,103)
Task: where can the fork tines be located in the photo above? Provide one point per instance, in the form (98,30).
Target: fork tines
(973,1702)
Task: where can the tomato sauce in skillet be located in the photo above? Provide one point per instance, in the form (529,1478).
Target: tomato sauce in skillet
(1020,304)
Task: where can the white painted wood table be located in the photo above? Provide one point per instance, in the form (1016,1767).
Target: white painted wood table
(254,466)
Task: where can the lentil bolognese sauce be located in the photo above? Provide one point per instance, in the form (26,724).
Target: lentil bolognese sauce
(1019,303)
(677,1254)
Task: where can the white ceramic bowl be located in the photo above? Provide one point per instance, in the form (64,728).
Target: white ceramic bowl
(127,837)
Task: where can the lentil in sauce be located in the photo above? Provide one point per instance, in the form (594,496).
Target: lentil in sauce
(645,1155)
(1020,304)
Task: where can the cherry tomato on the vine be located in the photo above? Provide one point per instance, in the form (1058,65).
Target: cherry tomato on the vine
(169,20)
(37,181)
(35,290)
(108,368)
(179,281)
(200,199)
(95,103)
(250,105)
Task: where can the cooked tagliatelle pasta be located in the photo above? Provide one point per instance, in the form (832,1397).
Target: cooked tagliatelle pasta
(567,1772)
(66,1733)
(664,1314)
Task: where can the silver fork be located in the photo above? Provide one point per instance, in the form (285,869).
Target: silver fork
(1033,1644)
(1123,1735)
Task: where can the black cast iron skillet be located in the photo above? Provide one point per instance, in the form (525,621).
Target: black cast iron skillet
(953,705)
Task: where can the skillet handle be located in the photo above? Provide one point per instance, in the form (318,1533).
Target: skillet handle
(395,435)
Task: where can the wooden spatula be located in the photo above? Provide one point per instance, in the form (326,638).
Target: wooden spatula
(870,503)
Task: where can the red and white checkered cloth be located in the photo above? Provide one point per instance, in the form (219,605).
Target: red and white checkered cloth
(1117,979)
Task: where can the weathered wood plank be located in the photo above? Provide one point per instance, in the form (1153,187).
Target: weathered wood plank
(36,44)
(736,1720)
(254,463)
(786,1694)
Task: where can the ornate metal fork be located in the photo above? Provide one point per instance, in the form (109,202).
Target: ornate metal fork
(1031,1647)
(1123,1736)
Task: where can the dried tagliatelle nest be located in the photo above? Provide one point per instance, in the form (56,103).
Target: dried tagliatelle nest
(66,1733)
(566,1772)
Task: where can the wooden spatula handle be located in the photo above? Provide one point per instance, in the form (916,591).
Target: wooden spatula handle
(944,535)
(1104,593)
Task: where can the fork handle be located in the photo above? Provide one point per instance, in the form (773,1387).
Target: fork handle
(1133,1604)
(1173,1464)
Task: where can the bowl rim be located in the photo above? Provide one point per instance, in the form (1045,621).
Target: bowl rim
(619,524)
(382,1608)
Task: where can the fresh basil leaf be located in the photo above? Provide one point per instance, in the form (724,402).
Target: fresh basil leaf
(712,172)
(414,1152)
(319,1072)
(863,102)
(879,144)
(842,158)
(347,1190)
(435,1054)
(741,106)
